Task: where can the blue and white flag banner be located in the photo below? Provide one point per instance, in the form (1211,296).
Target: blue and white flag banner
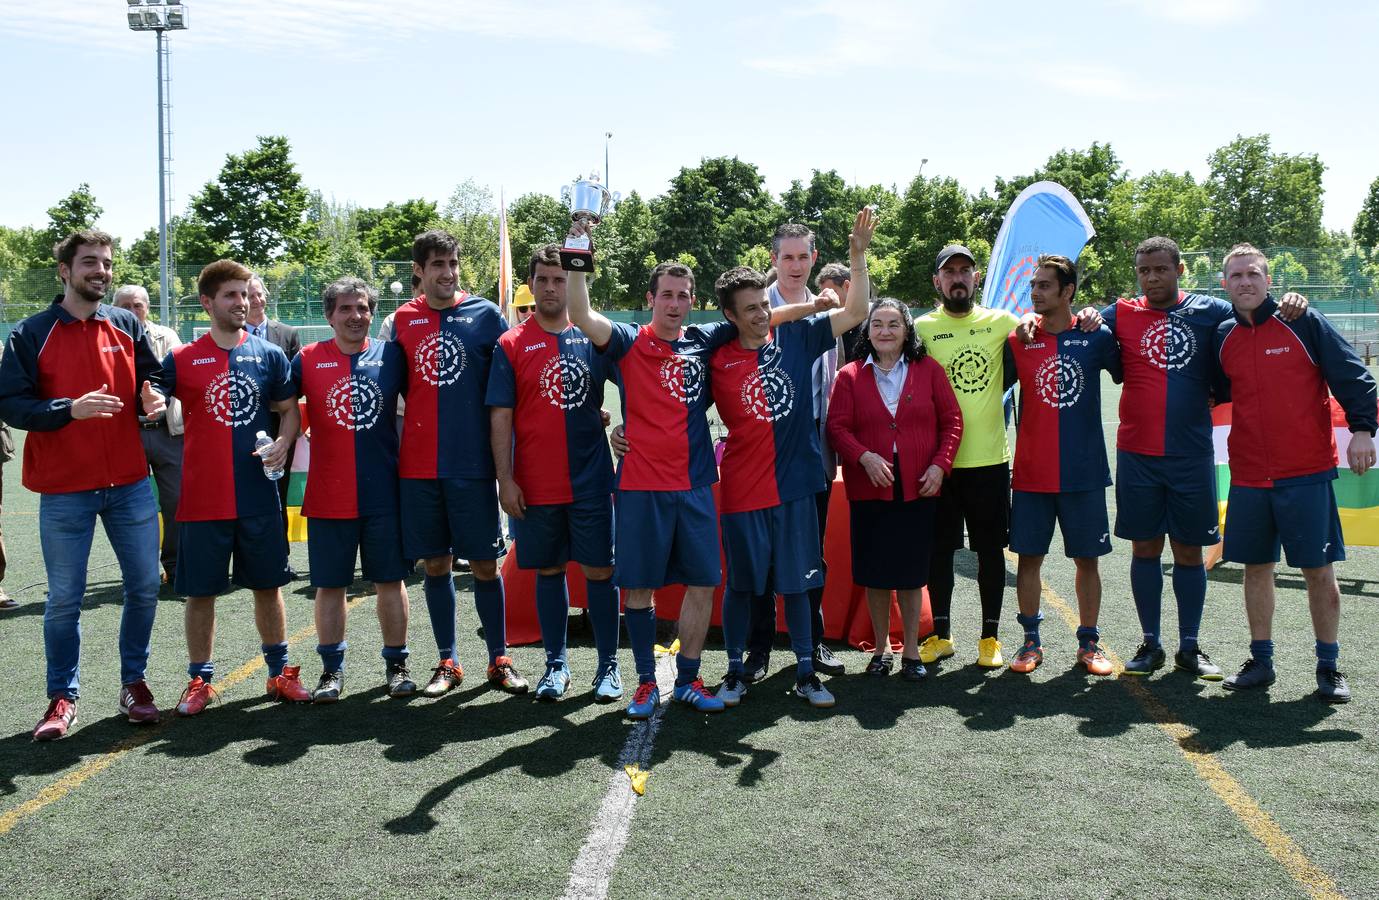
(1045,218)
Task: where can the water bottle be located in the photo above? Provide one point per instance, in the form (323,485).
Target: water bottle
(261,442)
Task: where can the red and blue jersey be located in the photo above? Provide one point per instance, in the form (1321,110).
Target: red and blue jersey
(765,397)
(1059,447)
(553,383)
(449,351)
(225,397)
(1166,354)
(665,397)
(351,404)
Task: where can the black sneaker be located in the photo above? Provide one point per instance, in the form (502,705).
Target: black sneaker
(912,670)
(400,683)
(1149,658)
(826,663)
(329,688)
(756,667)
(1331,686)
(1198,664)
(881,664)
(1254,674)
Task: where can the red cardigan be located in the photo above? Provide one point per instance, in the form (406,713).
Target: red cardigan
(926,428)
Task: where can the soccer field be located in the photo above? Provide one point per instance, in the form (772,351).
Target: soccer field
(971,784)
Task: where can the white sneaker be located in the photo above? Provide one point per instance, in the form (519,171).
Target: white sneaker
(813,690)
(732,689)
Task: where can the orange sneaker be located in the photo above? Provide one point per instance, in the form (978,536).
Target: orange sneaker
(1095,661)
(196,697)
(1028,659)
(503,676)
(288,686)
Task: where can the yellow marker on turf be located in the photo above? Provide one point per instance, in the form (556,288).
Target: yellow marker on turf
(638,777)
(673,649)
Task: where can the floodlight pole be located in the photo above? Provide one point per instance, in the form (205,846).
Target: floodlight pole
(164,286)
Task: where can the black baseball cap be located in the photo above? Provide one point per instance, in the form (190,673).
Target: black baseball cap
(951,251)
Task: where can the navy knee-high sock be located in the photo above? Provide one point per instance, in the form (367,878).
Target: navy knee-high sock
(488,601)
(1147,587)
(333,656)
(799,621)
(991,586)
(1190,588)
(440,606)
(275,655)
(603,617)
(941,590)
(737,616)
(641,634)
(553,614)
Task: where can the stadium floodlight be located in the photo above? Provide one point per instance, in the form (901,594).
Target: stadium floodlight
(177,17)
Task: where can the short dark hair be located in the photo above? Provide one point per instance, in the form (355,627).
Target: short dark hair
(911,348)
(1158,244)
(671,270)
(430,242)
(792,230)
(1247,250)
(837,273)
(1064,268)
(65,250)
(217,273)
(347,285)
(548,255)
(738,278)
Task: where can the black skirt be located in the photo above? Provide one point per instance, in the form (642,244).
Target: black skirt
(891,540)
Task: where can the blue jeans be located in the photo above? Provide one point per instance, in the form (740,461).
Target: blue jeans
(66,524)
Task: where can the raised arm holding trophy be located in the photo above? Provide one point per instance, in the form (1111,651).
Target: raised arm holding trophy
(589,202)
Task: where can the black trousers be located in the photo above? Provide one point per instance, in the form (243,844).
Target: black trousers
(761,632)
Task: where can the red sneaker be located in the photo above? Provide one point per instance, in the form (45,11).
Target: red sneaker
(57,720)
(503,676)
(136,702)
(288,686)
(196,697)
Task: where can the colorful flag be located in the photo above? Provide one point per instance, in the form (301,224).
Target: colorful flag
(504,261)
(1045,218)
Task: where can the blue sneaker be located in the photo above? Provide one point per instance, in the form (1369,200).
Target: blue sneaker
(608,683)
(645,701)
(696,695)
(554,683)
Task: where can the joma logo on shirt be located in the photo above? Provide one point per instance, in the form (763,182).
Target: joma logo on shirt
(1275,351)
(203,360)
(418,321)
(530,347)
(328,365)
(1038,346)
(943,334)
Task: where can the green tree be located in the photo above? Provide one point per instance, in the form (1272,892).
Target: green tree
(337,233)
(472,217)
(1157,203)
(934,212)
(623,255)
(387,233)
(1366,229)
(258,208)
(1266,198)
(74,212)
(1287,272)
(534,220)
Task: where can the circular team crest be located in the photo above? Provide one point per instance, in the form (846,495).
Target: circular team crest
(354,402)
(1059,381)
(970,370)
(683,378)
(440,358)
(232,398)
(1168,344)
(564,381)
(768,394)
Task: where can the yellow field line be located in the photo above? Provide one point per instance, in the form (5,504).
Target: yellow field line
(1231,792)
(74,779)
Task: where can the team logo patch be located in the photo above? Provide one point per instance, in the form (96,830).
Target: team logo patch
(440,358)
(683,378)
(1059,382)
(354,402)
(1168,344)
(970,370)
(232,398)
(564,381)
(767,392)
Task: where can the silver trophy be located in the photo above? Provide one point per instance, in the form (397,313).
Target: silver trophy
(589,201)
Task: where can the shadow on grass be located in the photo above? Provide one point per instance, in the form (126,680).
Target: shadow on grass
(1291,579)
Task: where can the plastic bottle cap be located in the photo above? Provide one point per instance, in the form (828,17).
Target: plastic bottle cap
(262,435)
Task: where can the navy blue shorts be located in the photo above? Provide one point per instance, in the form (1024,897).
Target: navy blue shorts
(1302,518)
(667,537)
(255,545)
(450,516)
(1081,516)
(333,544)
(552,535)
(1172,495)
(780,543)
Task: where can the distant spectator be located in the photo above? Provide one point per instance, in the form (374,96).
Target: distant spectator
(838,277)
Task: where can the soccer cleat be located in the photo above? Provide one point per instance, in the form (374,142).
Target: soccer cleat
(136,702)
(503,676)
(1028,659)
(880,664)
(644,701)
(813,690)
(288,686)
(732,690)
(1332,686)
(329,688)
(607,683)
(1199,664)
(196,697)
(55,723)
(1095,660)
(989,653)
(826,662)
(444,678)
(912,670)
(6,601)
(399,679)
(935,648)
(1254,674)
(554,682)
(1148,658)
(697,696)
(756,667)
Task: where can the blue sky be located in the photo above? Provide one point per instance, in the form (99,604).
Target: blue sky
(389,100)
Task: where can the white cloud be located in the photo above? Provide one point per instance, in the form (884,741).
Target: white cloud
(1196,12)
(1097,82)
